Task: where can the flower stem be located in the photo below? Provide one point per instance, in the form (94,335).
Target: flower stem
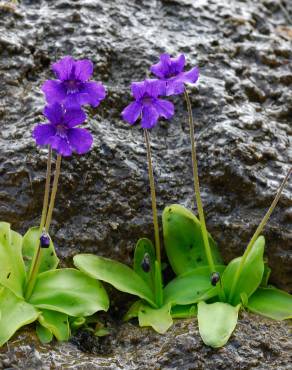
(197,186)
(54,192)
(153,197)
(47,190)
(257,233)
(35,265)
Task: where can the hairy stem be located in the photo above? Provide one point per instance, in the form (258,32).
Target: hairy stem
(47,190)
(257,234)
(197,186)
(153,197)
(54,192)
(48,217)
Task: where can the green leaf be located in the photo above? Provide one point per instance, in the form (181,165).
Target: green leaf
(69,291)
(216,322)
(57,323)
(77,322)
(44,334)
(191,287)
(271,302)
(49,259)
(145,246)
(158,318)
(115,273)
(15,313)
(12,271)
(183,312)
(183,240)
(133,311)
(251,274)
(158,285)
(266,275)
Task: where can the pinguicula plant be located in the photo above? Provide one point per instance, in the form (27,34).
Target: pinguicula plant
(194,255)
(158,305)
(32,288)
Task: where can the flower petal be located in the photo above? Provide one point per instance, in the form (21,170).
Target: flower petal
(92,93)
(83,69)
(61,145)
(155,88)
(42,133)
(161,69)
(164,108)
(74,117)
(191,76)
(54,91)
(174,86)
(132,112)
(177,64)
(138,89)
(80,139)
(149,116)
(54,113)
(64,68)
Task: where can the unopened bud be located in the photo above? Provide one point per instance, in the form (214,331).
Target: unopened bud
(45,240)
(215,277)
(145,264)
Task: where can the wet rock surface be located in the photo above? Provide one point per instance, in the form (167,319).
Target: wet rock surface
(257,343)
(242,105)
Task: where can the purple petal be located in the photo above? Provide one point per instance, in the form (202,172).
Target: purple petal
(174,86)
(164,108)
(74,117)
(92,93)
(138,89)
(54,113)
(54,91)
(42,133)
(132,112)
(155,88)
(177,64)
(149,117)
(80,139)
(83,70)
(161,69)
(64,68)
(190,76)
(61,145)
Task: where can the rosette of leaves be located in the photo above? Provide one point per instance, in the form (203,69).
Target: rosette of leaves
(59,296)
(157,305)
(218,308)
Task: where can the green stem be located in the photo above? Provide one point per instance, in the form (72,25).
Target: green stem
(197,186)
(153,198)
(257,233)
(54,192)
(36,262)
(47,190)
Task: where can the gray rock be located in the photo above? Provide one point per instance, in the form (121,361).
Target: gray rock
(257,343)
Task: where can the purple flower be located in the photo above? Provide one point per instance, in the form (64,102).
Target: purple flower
(147,104)
(170,70)
(61,132)
(72,87)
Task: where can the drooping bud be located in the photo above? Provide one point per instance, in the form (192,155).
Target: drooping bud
(145,264)
(215,277)
(45,240)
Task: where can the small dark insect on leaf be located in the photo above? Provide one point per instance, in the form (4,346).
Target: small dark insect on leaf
(145,264)
(8,275)
(215,277)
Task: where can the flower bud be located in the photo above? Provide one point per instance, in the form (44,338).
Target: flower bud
(45,240)
(145,264)
(215,277)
